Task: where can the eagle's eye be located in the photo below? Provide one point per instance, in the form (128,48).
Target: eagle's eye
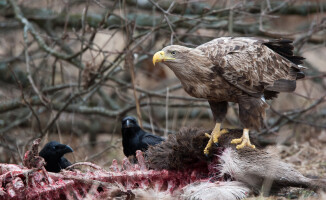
(173,53)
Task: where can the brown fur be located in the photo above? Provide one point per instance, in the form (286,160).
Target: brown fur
(254,167)
(180,150)
(186,147)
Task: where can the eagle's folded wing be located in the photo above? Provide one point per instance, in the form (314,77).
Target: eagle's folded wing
(252,66)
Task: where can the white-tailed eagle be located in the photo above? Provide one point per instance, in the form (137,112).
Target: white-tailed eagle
(235,69)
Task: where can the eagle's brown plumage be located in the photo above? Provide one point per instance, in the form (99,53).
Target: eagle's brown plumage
(235,69)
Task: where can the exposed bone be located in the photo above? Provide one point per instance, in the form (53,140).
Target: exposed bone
(31,158)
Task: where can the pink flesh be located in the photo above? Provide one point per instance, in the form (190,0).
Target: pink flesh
(18,182)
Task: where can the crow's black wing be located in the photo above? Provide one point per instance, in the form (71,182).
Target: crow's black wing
(150,139)
(64,163)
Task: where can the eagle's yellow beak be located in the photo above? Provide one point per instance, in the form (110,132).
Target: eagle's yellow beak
(160,57)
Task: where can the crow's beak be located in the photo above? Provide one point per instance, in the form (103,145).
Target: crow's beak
(69,149)
(66,149)
(128,124)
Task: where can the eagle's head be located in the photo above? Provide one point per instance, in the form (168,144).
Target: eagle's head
(185,62)
(172,55)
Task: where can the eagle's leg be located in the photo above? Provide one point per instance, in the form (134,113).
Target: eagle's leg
(213,138)
(244,140)
(219,110)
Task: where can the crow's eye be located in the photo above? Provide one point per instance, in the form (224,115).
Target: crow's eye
(54,147)
(173,53)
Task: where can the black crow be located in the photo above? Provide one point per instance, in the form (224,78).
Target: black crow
(134,138)
(53,153)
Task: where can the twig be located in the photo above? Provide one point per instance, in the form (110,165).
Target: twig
(130,65)
(92,157)
(16,123)
(291,116)
(37,37)
(29,74)
(28,103)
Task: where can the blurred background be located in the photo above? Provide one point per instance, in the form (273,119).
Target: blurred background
(70,70)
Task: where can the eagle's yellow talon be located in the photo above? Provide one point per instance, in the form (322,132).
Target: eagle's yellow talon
(236,141)
(243,144)
(240,146)
(217,133)
(208,146)
(244,140)
(208,135)
(223,131)
(213,138)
